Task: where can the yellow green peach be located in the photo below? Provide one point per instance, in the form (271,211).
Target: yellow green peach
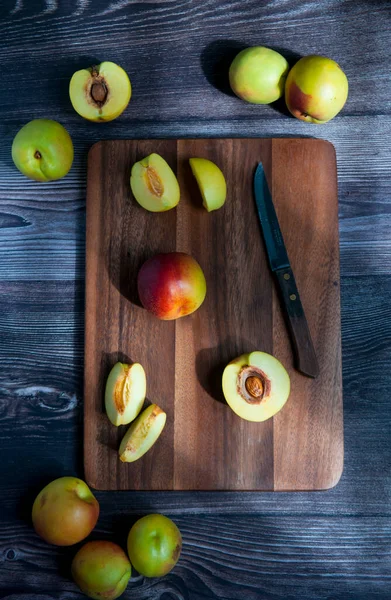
(316,89)
(65,511)
(258,74)
(154,545)
(43,150)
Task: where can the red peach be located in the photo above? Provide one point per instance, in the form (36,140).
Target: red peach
(171,285)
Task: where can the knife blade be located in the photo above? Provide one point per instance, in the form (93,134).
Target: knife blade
(303,349)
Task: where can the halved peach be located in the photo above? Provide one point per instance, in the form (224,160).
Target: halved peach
(100,93)
(125,392)
(256,386)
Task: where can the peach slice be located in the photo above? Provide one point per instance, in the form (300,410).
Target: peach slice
(256,386)
(154,184)
(142,434)
(125,392)
(211,182)
(100,93)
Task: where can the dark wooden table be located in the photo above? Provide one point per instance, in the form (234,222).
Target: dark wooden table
(333,544)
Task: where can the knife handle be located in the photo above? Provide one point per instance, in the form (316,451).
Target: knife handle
(303,348)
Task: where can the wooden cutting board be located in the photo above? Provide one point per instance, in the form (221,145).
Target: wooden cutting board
(204,445)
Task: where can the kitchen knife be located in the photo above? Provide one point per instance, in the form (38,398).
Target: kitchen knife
(303,348)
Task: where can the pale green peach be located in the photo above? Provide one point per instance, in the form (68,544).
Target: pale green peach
(43,150)
(100,93)
(258,74)
(256,386)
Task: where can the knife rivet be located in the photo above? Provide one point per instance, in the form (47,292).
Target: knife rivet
(292,297)
(287,276)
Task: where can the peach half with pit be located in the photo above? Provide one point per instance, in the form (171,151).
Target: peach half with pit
(256,386)
(100,93)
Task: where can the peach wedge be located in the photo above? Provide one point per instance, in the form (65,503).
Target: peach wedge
(211,182)
(142,434)
(125,392)
(154,184)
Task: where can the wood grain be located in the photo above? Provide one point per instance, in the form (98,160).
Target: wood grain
(308,215)
(205,445)
(318,566)
(215,449)
(177,54)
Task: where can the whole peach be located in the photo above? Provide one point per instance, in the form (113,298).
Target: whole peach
(101,570)
(65,511)
(154,545)
(43,150)
(316,89)
(171,285)
(258,74)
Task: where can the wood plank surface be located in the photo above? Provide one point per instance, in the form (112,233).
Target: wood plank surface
(205,446)
(327,545)
(217,449)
